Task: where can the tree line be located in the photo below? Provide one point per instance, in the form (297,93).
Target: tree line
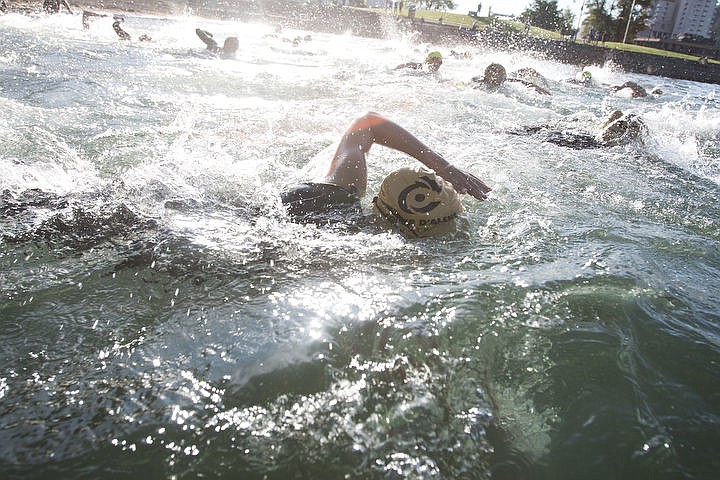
(608,18)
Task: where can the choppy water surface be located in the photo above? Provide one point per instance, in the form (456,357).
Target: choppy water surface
(161,317)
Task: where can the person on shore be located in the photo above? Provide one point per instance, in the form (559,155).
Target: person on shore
(53,6)
(432,63)
(495,76)
(420,201)
(618,129)
(86,15)
(228,49)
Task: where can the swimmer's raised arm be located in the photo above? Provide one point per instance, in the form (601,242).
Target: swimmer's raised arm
(207,39)
(349,169)
(65,4)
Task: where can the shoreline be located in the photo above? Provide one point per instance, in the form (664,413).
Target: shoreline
(339,20)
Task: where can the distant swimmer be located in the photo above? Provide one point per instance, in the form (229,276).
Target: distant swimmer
(619,129)
(432,63)
(122,34)
(583,78)
(421,201)
(228,49)
(629,90)
(461,55)
(297,40)
(86,15)
(53,6)
(529,75)
(495,76)
(118,29)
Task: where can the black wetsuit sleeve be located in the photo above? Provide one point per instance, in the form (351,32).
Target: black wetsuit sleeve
(321,203)
(531,85)
(563,138)
(120,32)
(206,37)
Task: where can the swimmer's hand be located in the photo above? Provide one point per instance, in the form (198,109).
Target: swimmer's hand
(464,182)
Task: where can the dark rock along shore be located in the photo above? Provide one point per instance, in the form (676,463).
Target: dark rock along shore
(333,19)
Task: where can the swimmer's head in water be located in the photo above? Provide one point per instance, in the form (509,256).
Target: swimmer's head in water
(586,75)
(495,75)
(418,202)
(621,128)
(231,45)
(434,60)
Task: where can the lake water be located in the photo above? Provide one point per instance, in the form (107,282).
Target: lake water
(160,316)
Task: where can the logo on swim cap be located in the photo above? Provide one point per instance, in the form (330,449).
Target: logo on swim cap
(420,203)
(418,197)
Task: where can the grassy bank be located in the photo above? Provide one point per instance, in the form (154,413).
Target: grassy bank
(466,21)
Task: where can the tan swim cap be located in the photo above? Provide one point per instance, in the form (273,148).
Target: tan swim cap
(495,74)
(419,202)
(621,128)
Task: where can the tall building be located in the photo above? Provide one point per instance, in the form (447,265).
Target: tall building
(671,18)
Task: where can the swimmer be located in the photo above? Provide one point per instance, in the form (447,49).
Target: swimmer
(118,29)
(629,90)
(228,49)
(432,62)
(125,36)
(584,78)
(86,18)
(420,202)
(619,129)
(53,6)
(3,6)
(495,75)
(463,55)
(528,75)
(298,40)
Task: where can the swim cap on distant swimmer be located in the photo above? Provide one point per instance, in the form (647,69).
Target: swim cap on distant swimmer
(419,202)
(493,76)
(621,128)
(434,60)
(433,56)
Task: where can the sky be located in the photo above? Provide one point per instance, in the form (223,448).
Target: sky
(510,7)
